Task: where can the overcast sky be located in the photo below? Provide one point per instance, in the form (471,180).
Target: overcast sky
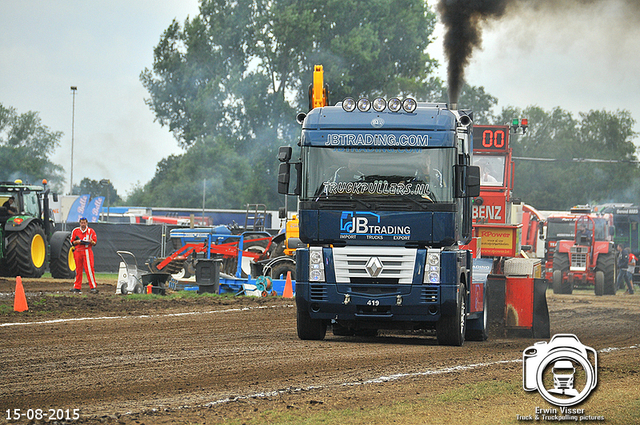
(577,59)
(101,47)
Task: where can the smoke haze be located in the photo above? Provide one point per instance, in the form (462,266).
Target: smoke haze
(551,21)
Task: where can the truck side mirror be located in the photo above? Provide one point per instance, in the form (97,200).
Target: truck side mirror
(467,181)
(284,175)
(473,181)
(284,153)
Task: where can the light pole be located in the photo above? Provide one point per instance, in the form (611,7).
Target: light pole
(73,119)
(105,183)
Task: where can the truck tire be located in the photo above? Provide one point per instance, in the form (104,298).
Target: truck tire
(61,262)
(450,330)
(477,328)
(606,264)
(308,328)
(599,283)
(26,251)
(561,264)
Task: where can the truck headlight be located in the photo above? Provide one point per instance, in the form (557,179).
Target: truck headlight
(316,265)
(432,269)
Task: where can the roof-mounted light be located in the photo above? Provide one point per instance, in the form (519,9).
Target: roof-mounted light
(348,104)
(364,104)
(409,105)
(379,104)
(395,104)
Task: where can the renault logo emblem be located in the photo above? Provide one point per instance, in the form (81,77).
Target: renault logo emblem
(374,266)
(377,123)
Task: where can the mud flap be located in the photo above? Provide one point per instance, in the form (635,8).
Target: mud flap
(541,324)
(518,307)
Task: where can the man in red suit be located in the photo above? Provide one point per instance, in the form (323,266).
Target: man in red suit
(83,239)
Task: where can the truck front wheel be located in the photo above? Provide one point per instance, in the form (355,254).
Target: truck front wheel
(308,328)
(450,330)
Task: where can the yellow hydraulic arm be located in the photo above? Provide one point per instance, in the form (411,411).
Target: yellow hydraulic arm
(318,91)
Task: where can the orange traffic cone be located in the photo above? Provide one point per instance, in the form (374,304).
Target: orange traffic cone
(288,287)
(20,300)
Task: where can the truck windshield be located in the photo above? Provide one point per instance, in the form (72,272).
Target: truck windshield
(422,175)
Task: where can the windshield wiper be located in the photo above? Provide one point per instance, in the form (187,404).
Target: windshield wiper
(343,198)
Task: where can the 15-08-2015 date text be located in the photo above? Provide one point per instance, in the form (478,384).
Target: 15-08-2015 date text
(43,414)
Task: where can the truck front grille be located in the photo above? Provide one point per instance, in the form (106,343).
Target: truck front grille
(357,264)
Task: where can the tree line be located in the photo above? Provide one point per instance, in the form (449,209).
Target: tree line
(228,83)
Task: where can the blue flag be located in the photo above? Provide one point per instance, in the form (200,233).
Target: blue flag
(78,208)
(93,211)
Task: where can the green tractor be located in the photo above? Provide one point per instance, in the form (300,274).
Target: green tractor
(27,239)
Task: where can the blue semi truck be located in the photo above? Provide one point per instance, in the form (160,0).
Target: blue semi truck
(384,203)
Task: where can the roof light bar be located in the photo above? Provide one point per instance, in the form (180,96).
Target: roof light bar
(395,104)
(348,104)
(379,104)
(364,104)
(409,105)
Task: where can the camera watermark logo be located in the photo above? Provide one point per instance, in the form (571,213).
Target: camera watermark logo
(563,371)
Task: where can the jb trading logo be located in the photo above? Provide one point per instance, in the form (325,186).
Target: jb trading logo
(564,372)
(367,224)
(350,223)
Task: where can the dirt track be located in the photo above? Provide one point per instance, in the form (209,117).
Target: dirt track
(211,359)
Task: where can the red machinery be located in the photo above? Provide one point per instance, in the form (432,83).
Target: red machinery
(214,242)
(588,258)
(517,292)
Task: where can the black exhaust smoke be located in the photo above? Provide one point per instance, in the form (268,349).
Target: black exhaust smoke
(462,20)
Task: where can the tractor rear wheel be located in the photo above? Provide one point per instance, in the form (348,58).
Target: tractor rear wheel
(560,264)
(599,283)
(606,264)
(557,282)
(281,269)
(62,265)
(26,251)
